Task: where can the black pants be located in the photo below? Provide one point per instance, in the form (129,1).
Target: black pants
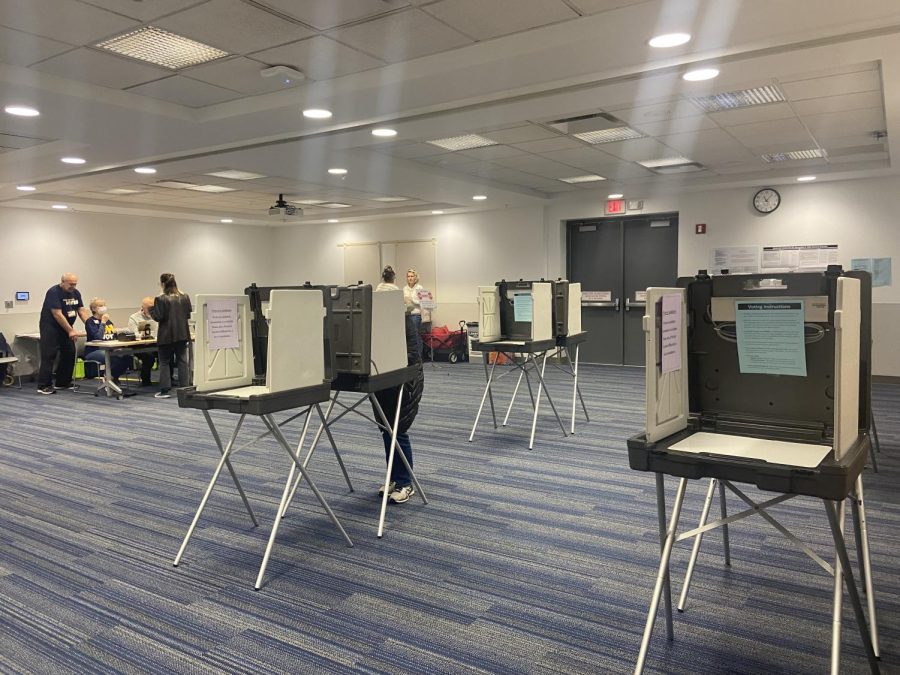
(54,340)
(178,351)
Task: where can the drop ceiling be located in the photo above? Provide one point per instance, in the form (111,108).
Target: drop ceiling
(528,75)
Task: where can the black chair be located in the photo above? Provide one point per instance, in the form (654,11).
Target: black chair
(8,360)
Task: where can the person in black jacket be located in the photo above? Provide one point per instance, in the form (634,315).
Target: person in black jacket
(172,309)
(400,488)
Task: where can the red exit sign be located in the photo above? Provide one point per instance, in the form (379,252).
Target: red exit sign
(615,206)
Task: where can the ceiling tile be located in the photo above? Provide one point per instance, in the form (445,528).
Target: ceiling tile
(23,49)
(850,83)
(638,149)
(657,112)
(829,104)
(410,150)
(549,145)
(325,15)
(846,123)
(107,70)
(15,142)
(67,21)
(597,6)
(185,91)
(402,36)
(583,157)
(144,11)
(680,125)
(484,20)
(777,132)
(492,152)
(233,26)
(238,73)
(520,134)
(319,58)
(759,113)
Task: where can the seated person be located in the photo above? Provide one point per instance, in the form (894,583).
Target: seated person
(99,327)
(134,321)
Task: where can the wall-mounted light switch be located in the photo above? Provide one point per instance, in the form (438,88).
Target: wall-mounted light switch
(8,303)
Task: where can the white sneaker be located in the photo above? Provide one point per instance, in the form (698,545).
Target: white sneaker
(401,495)
(391,488)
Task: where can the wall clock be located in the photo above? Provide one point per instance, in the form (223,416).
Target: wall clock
(766,200)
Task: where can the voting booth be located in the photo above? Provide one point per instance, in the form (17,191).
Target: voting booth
(761,380)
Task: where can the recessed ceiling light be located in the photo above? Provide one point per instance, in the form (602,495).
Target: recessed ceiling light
(145,169)
(174,184)
(317,113)
(210,188)
(234,174)
(608,135)
(384,132)
(226,220)
(26,188)
(741,98)
(815,153)
(436,213)
(307,202)
(337,172)
(390,199)
(700,74)
(59,206)
(333,220)
(590,178)
(664,161)
(72,160)
(334,205)
(669,40)
(479,198)
(161,48)
(21,111)
(615,195)
(123,191)
(466,142)
(805,179)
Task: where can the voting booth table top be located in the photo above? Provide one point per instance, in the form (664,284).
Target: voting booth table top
(526,322)
(760,380)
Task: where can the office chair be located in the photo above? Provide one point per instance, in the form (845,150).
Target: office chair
(7,361)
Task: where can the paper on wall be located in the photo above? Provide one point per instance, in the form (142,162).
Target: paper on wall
(735,259)
(806,258)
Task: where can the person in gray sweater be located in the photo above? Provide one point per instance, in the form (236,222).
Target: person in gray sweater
(172,309)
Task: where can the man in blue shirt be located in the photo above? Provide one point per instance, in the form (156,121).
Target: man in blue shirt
(62,305)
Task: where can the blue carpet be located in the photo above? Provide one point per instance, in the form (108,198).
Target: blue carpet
(536,561)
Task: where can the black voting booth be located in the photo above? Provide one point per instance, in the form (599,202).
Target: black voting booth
(723,402)
(521,330)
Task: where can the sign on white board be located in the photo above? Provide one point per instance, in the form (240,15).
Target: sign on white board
(671,333)
(222,324)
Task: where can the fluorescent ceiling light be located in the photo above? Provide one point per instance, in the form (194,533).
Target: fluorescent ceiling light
(72,160)
(21,111)
(26,188)
(334,205)
(615,195)
(669,40)
(805,179)
(123,191)
(234,174)
(161,48)
(664,161)
(390,199)
(210,188)
(307,202)
(742,98)
(815,153)
(466,142)
(333,220)
(589,178)
(700,74)
(609,135)
(436,213)
(145,170)
(317,113)
(59,206)
(337,172)
(226,220)
(383,132)
(690,167)
(174,184)
(479,198)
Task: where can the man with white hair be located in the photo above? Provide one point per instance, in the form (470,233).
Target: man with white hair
(62,305)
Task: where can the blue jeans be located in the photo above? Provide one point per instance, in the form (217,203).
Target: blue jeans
(417,322)
(119,363)
(399,474)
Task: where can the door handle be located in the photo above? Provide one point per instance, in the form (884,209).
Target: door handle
(605,304)
(637,305)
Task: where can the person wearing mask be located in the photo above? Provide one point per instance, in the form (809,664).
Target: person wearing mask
(414,305)
(387,280)
(172,310)
(99,327)
(147,359)
(62,305)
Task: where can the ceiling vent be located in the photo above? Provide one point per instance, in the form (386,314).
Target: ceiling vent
(742,98)
(815,153)
(467,142)
(161,48)
(595,128)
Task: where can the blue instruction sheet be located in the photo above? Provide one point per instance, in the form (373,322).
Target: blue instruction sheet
(523,307)
(770,337)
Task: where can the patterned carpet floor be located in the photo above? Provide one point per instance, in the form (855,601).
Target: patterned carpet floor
(524,561)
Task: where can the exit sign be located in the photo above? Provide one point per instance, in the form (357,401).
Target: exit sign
(615,206)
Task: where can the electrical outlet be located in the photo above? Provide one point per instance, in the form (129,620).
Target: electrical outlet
(8,303)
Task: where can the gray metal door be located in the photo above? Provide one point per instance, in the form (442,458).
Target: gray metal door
(616,259)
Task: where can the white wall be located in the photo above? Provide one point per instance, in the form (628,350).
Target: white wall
(121,258)
(472,249)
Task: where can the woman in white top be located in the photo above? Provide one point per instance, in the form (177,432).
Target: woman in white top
(387,280)
(414,305)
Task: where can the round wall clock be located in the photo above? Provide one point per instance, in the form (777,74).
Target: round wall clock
(766,200)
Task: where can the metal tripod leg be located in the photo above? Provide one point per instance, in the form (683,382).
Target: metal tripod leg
(682,600)
(576,390)
(844,560)
(866,562)
(662,574)
(537,403)
(837,601)
(875,433)
(513,399)
(875,445)
(487,393)
(726,544)
(209,488)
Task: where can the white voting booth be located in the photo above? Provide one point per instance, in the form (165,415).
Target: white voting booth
(739,390)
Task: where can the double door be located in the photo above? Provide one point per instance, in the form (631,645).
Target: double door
(616,259)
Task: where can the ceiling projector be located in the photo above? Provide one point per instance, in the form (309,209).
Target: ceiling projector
(281,209)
